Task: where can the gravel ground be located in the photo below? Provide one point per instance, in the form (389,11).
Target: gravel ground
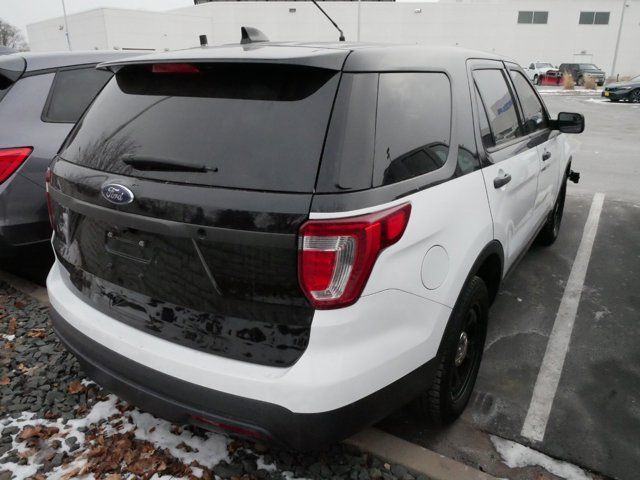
(55,423)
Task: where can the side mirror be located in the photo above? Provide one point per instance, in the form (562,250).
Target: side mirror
(569,123)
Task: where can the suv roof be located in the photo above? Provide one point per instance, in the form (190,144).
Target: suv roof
(331,55)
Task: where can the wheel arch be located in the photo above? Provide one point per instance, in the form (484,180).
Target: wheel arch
(489,266)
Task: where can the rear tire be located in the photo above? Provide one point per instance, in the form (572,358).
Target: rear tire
(551,229)
(634,96)
(580,81)
(460,355)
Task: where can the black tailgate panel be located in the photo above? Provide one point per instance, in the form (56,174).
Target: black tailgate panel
(212,269)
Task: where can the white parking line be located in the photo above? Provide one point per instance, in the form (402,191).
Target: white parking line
(544,391)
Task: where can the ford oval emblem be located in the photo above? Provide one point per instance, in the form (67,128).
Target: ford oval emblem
(118,194)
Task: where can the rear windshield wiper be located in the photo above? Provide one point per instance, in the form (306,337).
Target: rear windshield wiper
(156,164)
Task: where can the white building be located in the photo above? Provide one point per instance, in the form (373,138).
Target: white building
(556,31)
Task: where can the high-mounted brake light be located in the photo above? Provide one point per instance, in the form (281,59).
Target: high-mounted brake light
(11,159)
(174,68)
(336,256)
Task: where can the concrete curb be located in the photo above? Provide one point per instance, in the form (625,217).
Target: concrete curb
(414,457)
(25,286)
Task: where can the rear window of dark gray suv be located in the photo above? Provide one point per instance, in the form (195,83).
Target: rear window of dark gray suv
(249,126)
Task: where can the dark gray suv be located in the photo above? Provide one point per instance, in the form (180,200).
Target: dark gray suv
(42,95)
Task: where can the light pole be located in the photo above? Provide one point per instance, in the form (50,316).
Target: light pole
(66,25)
(615,52)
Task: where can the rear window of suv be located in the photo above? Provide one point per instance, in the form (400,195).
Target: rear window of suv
(249,126)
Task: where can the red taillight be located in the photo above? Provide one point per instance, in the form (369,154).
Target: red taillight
(11,159)
(47,178)
(174,68)
(335,257)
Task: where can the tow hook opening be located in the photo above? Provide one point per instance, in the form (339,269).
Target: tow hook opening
(574,176)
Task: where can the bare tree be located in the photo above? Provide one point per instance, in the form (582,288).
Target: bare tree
(11,37)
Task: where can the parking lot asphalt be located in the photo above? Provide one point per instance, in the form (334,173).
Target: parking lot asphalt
(594,420)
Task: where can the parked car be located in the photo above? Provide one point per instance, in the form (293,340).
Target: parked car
(42,95)
(537,70)
(581,71)
(628,90)
(288,241)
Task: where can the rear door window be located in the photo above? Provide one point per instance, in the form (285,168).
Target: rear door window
(499,105)
(72,92)
(413,125)
(533,111)
(250,126)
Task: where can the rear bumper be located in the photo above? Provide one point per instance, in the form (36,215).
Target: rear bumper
(312,403)
(183,402)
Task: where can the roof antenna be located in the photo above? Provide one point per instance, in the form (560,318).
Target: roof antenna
(331,20)
(251,35)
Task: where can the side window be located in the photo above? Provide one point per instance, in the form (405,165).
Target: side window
(534,117)
(499,105)
(72,92)
(485,130)
(413,126)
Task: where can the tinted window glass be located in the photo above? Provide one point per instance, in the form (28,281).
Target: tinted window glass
(601,18)
(347,161)
(485,130)
(586,18)
(413,125)
(525,17)
(499,104)
(72,92)
(540,17)
(4,91)
(253,126)
(534,118)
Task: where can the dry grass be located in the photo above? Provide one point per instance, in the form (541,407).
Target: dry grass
(568,81)
(590,83)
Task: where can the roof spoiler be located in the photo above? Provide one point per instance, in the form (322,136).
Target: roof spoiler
(251,35)
(11,69)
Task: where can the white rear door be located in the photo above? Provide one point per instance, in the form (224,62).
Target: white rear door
(512,162)
(535,120)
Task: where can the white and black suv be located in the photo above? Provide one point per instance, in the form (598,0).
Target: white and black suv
(288,241)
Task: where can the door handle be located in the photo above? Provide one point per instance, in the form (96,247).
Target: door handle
(546,156)
(502,180)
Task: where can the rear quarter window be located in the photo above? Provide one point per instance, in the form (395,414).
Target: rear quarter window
(413,126)
(72,92)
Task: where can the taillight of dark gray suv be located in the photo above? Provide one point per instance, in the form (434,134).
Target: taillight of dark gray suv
(288,241)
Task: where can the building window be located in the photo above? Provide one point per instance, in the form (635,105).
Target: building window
(594,18)
(533,17)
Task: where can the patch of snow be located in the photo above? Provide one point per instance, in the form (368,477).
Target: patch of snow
(515,455)
(208,449)
(265,466)
(600,314)
(9,338)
